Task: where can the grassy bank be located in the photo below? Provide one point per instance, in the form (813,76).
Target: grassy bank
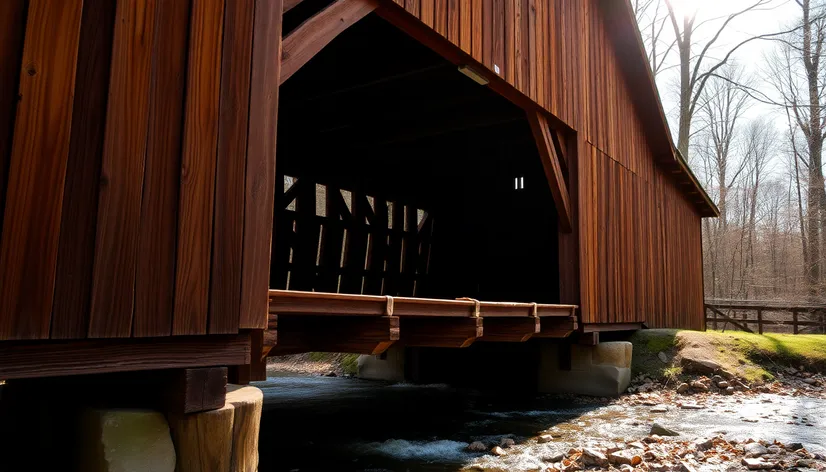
(752,357)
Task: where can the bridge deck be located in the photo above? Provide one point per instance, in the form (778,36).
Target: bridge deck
(369,324)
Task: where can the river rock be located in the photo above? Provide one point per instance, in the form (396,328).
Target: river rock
(699,386)
(722,384)
(757,464)
(755,450)
(729,390)
(699,366)
(594,457)
(794,446)
(545,438)
(497,451)
(663,357)
(628,456)
(683,388)
(553,458)
(659,409)
(704,444)
(661,430)
(686,467)
(810,381)
(477,446)
(506,442)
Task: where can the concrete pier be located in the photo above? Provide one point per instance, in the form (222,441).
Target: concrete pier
(601,370)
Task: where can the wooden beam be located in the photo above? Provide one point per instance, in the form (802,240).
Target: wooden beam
(598,327)
(550,162)
(310,38)
(440,332)
(510,329)
(557,327)
(362,335)
(26,359)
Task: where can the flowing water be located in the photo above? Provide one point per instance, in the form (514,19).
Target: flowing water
(344,424)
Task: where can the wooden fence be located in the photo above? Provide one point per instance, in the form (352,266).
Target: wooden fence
(739,314)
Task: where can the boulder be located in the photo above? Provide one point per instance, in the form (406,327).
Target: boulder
(661,430)
(125,440)
(477,446)
(699,365)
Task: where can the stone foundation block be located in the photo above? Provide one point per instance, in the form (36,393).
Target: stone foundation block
(601,370)
(389,366)
(125,441)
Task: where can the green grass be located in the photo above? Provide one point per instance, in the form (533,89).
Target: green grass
(752,357)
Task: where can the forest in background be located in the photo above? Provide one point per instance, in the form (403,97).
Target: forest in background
(752,129)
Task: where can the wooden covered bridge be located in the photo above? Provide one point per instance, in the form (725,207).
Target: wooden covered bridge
(196,183)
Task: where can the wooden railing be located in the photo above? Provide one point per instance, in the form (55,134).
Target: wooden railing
(737,314)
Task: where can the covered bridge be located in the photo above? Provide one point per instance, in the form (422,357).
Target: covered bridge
(203,182)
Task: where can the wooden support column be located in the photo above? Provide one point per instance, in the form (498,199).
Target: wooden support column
(311,37)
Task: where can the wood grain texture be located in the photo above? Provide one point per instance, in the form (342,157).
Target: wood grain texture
(155,272)
(553,172)
(37,169)
(198,164)
(203,441)
(248,403)
(260,172)
(61,358)
(76,250)
(12,33)
(121,176)
(311,37)
(225,291)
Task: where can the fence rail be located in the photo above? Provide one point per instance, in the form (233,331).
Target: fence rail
(802,318)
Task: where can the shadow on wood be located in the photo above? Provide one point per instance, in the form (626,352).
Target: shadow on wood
(510,329)
(440,332)
(354,334)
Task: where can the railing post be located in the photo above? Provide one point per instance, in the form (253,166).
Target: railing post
(794,321)
(760,321)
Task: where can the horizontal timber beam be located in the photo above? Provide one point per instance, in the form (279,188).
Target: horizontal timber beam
(314,34)
(440,332)
(360,335)
(542,133)
(557,327)
(53,359)
(599,327)
(515,330)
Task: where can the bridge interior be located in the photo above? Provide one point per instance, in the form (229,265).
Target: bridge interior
(403,177)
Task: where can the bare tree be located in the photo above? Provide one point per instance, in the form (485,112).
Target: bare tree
(652,19)
(796,70)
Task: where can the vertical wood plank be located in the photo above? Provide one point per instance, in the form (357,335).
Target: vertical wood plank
(37,168)
(12,33)
(440,17)
(487,33)
(453,21)
(412,6)
(225,293)
(476,29)
(426,12)
(198,163)
(465,24)
(510,41)
(498,32)
(76,249)
(260,172)
(155,272)
(124,149)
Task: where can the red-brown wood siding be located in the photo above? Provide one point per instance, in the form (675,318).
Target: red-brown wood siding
(127,164)
(638,236)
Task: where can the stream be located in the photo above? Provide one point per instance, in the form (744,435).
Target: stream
(346,424)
